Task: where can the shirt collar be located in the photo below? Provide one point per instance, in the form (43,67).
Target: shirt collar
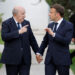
(15,20)
(60,21)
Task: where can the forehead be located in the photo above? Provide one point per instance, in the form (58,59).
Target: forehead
(21,11)
(52,10)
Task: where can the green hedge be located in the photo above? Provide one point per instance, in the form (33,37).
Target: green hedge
(73,63)
(1,42)
(0,63)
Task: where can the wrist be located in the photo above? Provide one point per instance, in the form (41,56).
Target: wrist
(53,35)
(38,54)
(19,31)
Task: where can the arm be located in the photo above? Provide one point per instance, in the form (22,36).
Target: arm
(32,40)
(6,34)
(44,44)
(59,38)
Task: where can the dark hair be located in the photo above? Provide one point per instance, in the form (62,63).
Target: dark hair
(59,8)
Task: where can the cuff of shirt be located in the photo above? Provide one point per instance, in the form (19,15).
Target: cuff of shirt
(53,35)
(38,54)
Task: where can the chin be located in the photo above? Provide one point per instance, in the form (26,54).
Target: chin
(22,20)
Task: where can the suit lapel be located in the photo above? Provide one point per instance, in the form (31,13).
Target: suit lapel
(61,25)
(14,23)
(24,23)
(14,26)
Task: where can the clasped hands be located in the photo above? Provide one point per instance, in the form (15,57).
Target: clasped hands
(39,58)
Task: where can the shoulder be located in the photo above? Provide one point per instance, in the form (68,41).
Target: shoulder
(7,21)
(26,21)
(51,24)
(67,23)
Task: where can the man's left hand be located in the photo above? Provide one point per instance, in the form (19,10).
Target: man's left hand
(39,58)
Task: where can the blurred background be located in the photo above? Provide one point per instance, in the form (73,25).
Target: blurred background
(37,13)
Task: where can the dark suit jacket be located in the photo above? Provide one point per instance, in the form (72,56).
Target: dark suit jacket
(58,46)
(13,52)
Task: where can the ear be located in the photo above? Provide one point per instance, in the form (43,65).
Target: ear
(58,14)
(14,15)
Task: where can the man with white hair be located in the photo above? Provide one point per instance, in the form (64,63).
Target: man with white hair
(18,37)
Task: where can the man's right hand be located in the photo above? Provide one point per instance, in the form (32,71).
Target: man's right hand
(23,29)
(39,58)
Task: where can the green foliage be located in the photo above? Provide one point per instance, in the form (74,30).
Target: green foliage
(1,14)
(2,0)
(73,63)
(68,4)
(1,42)
(49,2)
(0,63)
(73,68)
(1,17)
(72,5)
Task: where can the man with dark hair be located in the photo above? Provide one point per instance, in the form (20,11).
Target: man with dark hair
(57,38)
(18,37)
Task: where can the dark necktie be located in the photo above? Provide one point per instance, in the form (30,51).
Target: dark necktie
(18,25)
(55,26)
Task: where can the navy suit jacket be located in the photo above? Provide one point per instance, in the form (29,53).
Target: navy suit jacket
(13,53)
(58,46)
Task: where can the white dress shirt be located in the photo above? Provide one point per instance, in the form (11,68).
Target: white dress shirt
(59,22)
(17,24)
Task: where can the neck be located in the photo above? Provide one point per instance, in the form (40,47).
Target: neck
(16,19)
(57,19)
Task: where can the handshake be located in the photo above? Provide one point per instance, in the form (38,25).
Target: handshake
(39,58)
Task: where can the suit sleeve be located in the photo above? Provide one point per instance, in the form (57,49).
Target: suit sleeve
(32,40)
(44,44)
(68,35)
(6,34)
